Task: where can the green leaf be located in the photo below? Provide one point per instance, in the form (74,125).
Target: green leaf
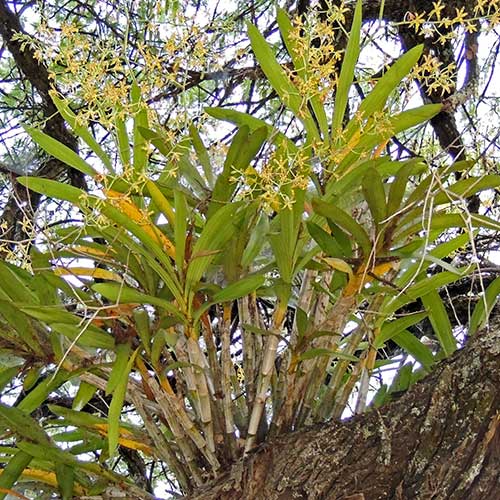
(41,392)
(257,240)
(300,62)
(373,189)
(71,326)
(440,321)
(217,231)
(352,178)
(53,189)
(158,140)
(485,304)
(76,418)
(115,408)
(314,353)
(22,424)
(123,142)
(347,70)
(81,131)
(326,241)
(239,288)
(65,475)
(183,364)
(91,445)
(345,221)
(396,124)
(60,151)
(202,153)
(140,121)
(48,452)
(443,221)
(155,258)
(422,189)
(380,397)
(246,150)
(434,282)
(224,187)
(51,314)
(7,375)
(86,336)
(151,249)
(402,380)
(14,282)
(13,470)
(142,326)
(441,263)
(413,117)
(259,331)
(392,328)
(422,287)
(187,171)
(279,80)
(448,247)
(180,228)
(239,118)
(122,294)
(161,201)
(465,188)
(159,340)
(397,187)
(415,348)
(122,356)
(301,321)
(377,98)
(85,393)
(23,327)
(284,238)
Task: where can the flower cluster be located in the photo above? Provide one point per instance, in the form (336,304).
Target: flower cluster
(276,179)
(435,23)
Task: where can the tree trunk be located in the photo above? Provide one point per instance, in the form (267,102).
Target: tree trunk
(440,440)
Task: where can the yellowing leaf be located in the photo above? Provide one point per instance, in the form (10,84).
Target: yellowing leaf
(91,272)
(140,217)
(125,439)
(380,149)
(161,202)
(82,249)
(365,275)
(338,265)
(47,478)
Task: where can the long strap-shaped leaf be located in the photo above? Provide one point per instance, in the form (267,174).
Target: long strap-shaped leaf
(60,151)
(440,321)
(81,131)
(239,118)
(140,121)
(300,64)
(377,98)
(218,230)
(345,221)
(395,124)
(279,80)
(347,71)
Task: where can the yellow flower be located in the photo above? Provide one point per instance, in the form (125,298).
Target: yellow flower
(461,15)
(416,20)
(436,11)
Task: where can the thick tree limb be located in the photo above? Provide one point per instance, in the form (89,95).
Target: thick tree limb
(440,440)
(23,203)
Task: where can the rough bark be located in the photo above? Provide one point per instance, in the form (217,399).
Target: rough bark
(440,440)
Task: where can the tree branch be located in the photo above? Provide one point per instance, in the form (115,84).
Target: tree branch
(23,203)
(441,439)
